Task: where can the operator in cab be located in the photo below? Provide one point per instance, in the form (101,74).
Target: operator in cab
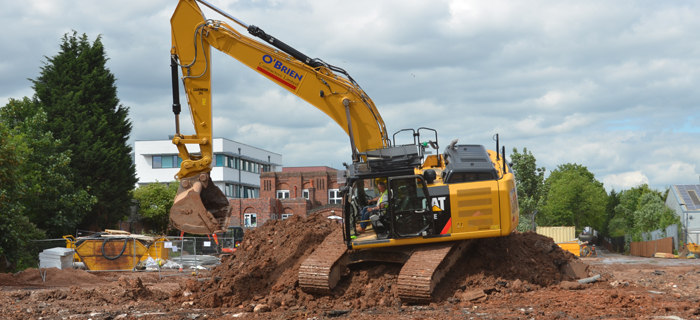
(381,201)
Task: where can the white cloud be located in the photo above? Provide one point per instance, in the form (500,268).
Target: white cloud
(612,86)
(675,172)
(624,180)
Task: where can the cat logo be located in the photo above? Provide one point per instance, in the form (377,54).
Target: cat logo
(439,202)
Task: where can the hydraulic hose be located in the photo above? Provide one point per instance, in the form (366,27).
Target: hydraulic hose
(120,253)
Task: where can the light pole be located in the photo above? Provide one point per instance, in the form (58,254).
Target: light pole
(685,228)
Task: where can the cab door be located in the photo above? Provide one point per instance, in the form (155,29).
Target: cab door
(409,207)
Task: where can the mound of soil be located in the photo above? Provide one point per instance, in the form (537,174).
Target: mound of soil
(54,278)
(525,256)
(519,262)
(263,271)
(264,268)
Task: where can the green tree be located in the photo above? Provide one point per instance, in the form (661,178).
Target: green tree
(15,229)
(79,96)
(573,198)
(613,201)
(623,221)
(641,209)
(530,181)
(47,194)
(155,201)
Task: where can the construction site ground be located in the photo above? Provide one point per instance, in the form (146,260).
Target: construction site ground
(516,277)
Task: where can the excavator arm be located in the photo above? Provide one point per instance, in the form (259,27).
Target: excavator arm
(200,207)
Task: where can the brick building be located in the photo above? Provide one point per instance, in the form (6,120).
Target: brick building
(295,190)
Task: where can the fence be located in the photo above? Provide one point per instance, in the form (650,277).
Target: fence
(670,231)
(616,244)
(649,248)
(178,253)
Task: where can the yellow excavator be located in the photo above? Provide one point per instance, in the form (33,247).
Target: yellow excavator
(434,203)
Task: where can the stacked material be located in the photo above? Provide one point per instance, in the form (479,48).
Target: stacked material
(61,258)
(197,260)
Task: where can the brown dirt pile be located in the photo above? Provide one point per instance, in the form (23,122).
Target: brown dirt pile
(264,271)
(54,278)
(521,256)
(518,263)
(264,268)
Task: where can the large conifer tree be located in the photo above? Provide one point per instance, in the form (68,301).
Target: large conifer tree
(78,93)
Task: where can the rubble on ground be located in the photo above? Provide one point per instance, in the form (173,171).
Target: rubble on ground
(524,275)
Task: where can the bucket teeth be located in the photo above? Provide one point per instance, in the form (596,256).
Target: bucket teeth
(200,208)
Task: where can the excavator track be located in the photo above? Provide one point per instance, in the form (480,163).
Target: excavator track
(321,271)
(426,267)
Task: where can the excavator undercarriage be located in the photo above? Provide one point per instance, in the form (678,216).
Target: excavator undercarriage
(424,266)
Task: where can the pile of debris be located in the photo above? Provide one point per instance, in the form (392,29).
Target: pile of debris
(265,264)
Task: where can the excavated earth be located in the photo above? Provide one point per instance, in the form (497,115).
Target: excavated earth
(522,276)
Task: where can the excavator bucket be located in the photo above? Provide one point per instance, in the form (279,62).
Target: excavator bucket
(200,207)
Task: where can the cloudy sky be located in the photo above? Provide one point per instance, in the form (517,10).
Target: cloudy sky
(614,86)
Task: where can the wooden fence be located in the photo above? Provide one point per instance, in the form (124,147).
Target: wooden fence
(649,248)
(616,245)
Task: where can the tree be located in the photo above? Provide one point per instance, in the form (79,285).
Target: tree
(530,180)
(641,209)
(78,94)
(574,198)
(15,229)
(47,193)
(155,201)
(613,201)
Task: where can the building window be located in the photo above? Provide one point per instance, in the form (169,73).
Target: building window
(235,163)
(286,215)
(157,162)
(334,196)
(247,192)
(250,220)
(253,192)
(166,162)
(230,190)
(220,160)
(305,194)
(282,194)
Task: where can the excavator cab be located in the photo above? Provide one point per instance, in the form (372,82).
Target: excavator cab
(410,212)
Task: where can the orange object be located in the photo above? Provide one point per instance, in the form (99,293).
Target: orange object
(121,253)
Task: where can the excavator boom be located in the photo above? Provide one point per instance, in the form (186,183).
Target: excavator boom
(328,88)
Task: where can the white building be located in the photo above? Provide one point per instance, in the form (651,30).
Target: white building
(684,199)
(236,171)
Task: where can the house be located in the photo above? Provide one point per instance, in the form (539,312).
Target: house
(294,190)
(684,199)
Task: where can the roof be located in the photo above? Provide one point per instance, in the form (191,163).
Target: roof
(689,195)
